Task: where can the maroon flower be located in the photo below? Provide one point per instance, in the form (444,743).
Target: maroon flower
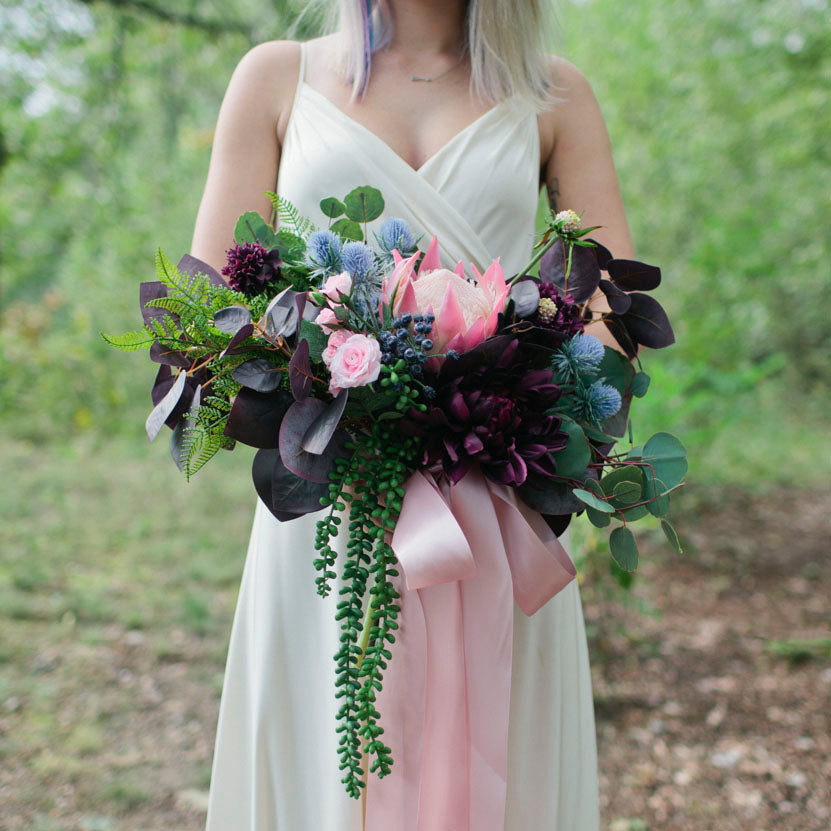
(490,409)
(250,268)
(557,312)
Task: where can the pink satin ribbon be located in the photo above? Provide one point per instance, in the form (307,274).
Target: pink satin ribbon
(467,552)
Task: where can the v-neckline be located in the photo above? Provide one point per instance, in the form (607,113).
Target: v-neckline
(389,149)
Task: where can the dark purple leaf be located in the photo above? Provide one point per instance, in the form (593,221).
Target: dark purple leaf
(287,496)
(630,275)
(258,374)
(193,266)
(165,407)
(557,524)
(153,291)
(162,355)
(163,383)
(601,253)
(255,417)
(241,335)
(300,371)
(300,305)
(647,322)
(526,298)
(584,276)
(619,300)
(614,323)
(231,319)
(312,466)
(549,496)
(317,437)
(178,433)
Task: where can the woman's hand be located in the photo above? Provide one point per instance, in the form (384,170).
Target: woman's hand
(579,172)
(246,147)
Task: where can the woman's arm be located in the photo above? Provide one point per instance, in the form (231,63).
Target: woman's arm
(246,148)
(579,171)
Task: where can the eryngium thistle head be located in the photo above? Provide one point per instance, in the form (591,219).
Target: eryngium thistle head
(595,403)
(357,259)
(395,233)
(250,268)
(579,356)
(323,252)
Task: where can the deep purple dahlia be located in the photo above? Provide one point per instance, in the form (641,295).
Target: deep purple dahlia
(250,268)
(490,409)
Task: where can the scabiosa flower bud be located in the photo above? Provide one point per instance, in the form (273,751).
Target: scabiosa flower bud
(395,233)
(250,268)
(323,252)
(357,259)
(570,220)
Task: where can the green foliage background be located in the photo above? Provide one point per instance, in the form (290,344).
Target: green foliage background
(718,118)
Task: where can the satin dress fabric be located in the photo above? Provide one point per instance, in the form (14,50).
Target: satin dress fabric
(275,763)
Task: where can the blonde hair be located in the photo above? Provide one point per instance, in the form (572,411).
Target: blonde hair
(506,41)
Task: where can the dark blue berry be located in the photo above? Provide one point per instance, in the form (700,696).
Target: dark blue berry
(409,353)
(416,369)
(406,318)
(452,354)
(429,393)
(427,343)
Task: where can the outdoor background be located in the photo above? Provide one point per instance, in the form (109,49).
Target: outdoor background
(118,580)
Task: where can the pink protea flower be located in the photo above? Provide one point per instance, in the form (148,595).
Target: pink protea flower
(466,312)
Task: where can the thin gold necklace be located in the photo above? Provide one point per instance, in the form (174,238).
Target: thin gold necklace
(422,77)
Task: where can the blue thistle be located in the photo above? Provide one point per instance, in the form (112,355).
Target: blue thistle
(357,259)
(323,252)
(601,401)
(579,356)
(395,233)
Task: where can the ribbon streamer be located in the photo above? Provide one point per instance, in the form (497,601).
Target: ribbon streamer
(467,552)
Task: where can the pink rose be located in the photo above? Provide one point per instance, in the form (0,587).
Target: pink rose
(326,318)
(336,285)
(336,339)
(355,363)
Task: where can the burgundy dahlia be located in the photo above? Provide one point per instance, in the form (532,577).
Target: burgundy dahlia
(250,268)
(558,312)
(490,409)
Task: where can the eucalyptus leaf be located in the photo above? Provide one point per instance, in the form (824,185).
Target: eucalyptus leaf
(300,371)
(548,496)
(624,548)
(319,434)
(153,290)
(332,207)
(593,501)
(639,385)
(286,495)
(315,467)
(363,204)
(574,458)
(526,298)
(671,535)
(162,355)
(165,407)
(316,338)
(600,519)
(231,319)
(251,227)
(258,374)
(255,417)
(348,229)
(241,335)
(668,458)
(193,266)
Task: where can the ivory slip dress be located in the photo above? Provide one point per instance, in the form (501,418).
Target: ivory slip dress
(275,764)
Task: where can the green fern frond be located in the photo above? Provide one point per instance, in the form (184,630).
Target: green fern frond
(289,217)
(131,341)
(171,304)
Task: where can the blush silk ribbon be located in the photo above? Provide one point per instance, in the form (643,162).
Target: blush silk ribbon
(467,552)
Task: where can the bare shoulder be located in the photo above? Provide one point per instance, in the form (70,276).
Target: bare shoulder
(575,105)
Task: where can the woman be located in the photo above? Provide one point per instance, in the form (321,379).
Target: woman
(447,107)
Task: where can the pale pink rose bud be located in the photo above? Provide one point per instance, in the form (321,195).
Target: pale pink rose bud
(326,318)
(337,284)
(356,363)
(336,339)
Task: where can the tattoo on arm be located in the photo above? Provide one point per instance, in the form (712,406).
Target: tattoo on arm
(553,188)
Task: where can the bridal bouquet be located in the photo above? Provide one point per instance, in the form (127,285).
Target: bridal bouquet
(351,367)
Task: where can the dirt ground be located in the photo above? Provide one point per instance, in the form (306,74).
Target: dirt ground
(703,721)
